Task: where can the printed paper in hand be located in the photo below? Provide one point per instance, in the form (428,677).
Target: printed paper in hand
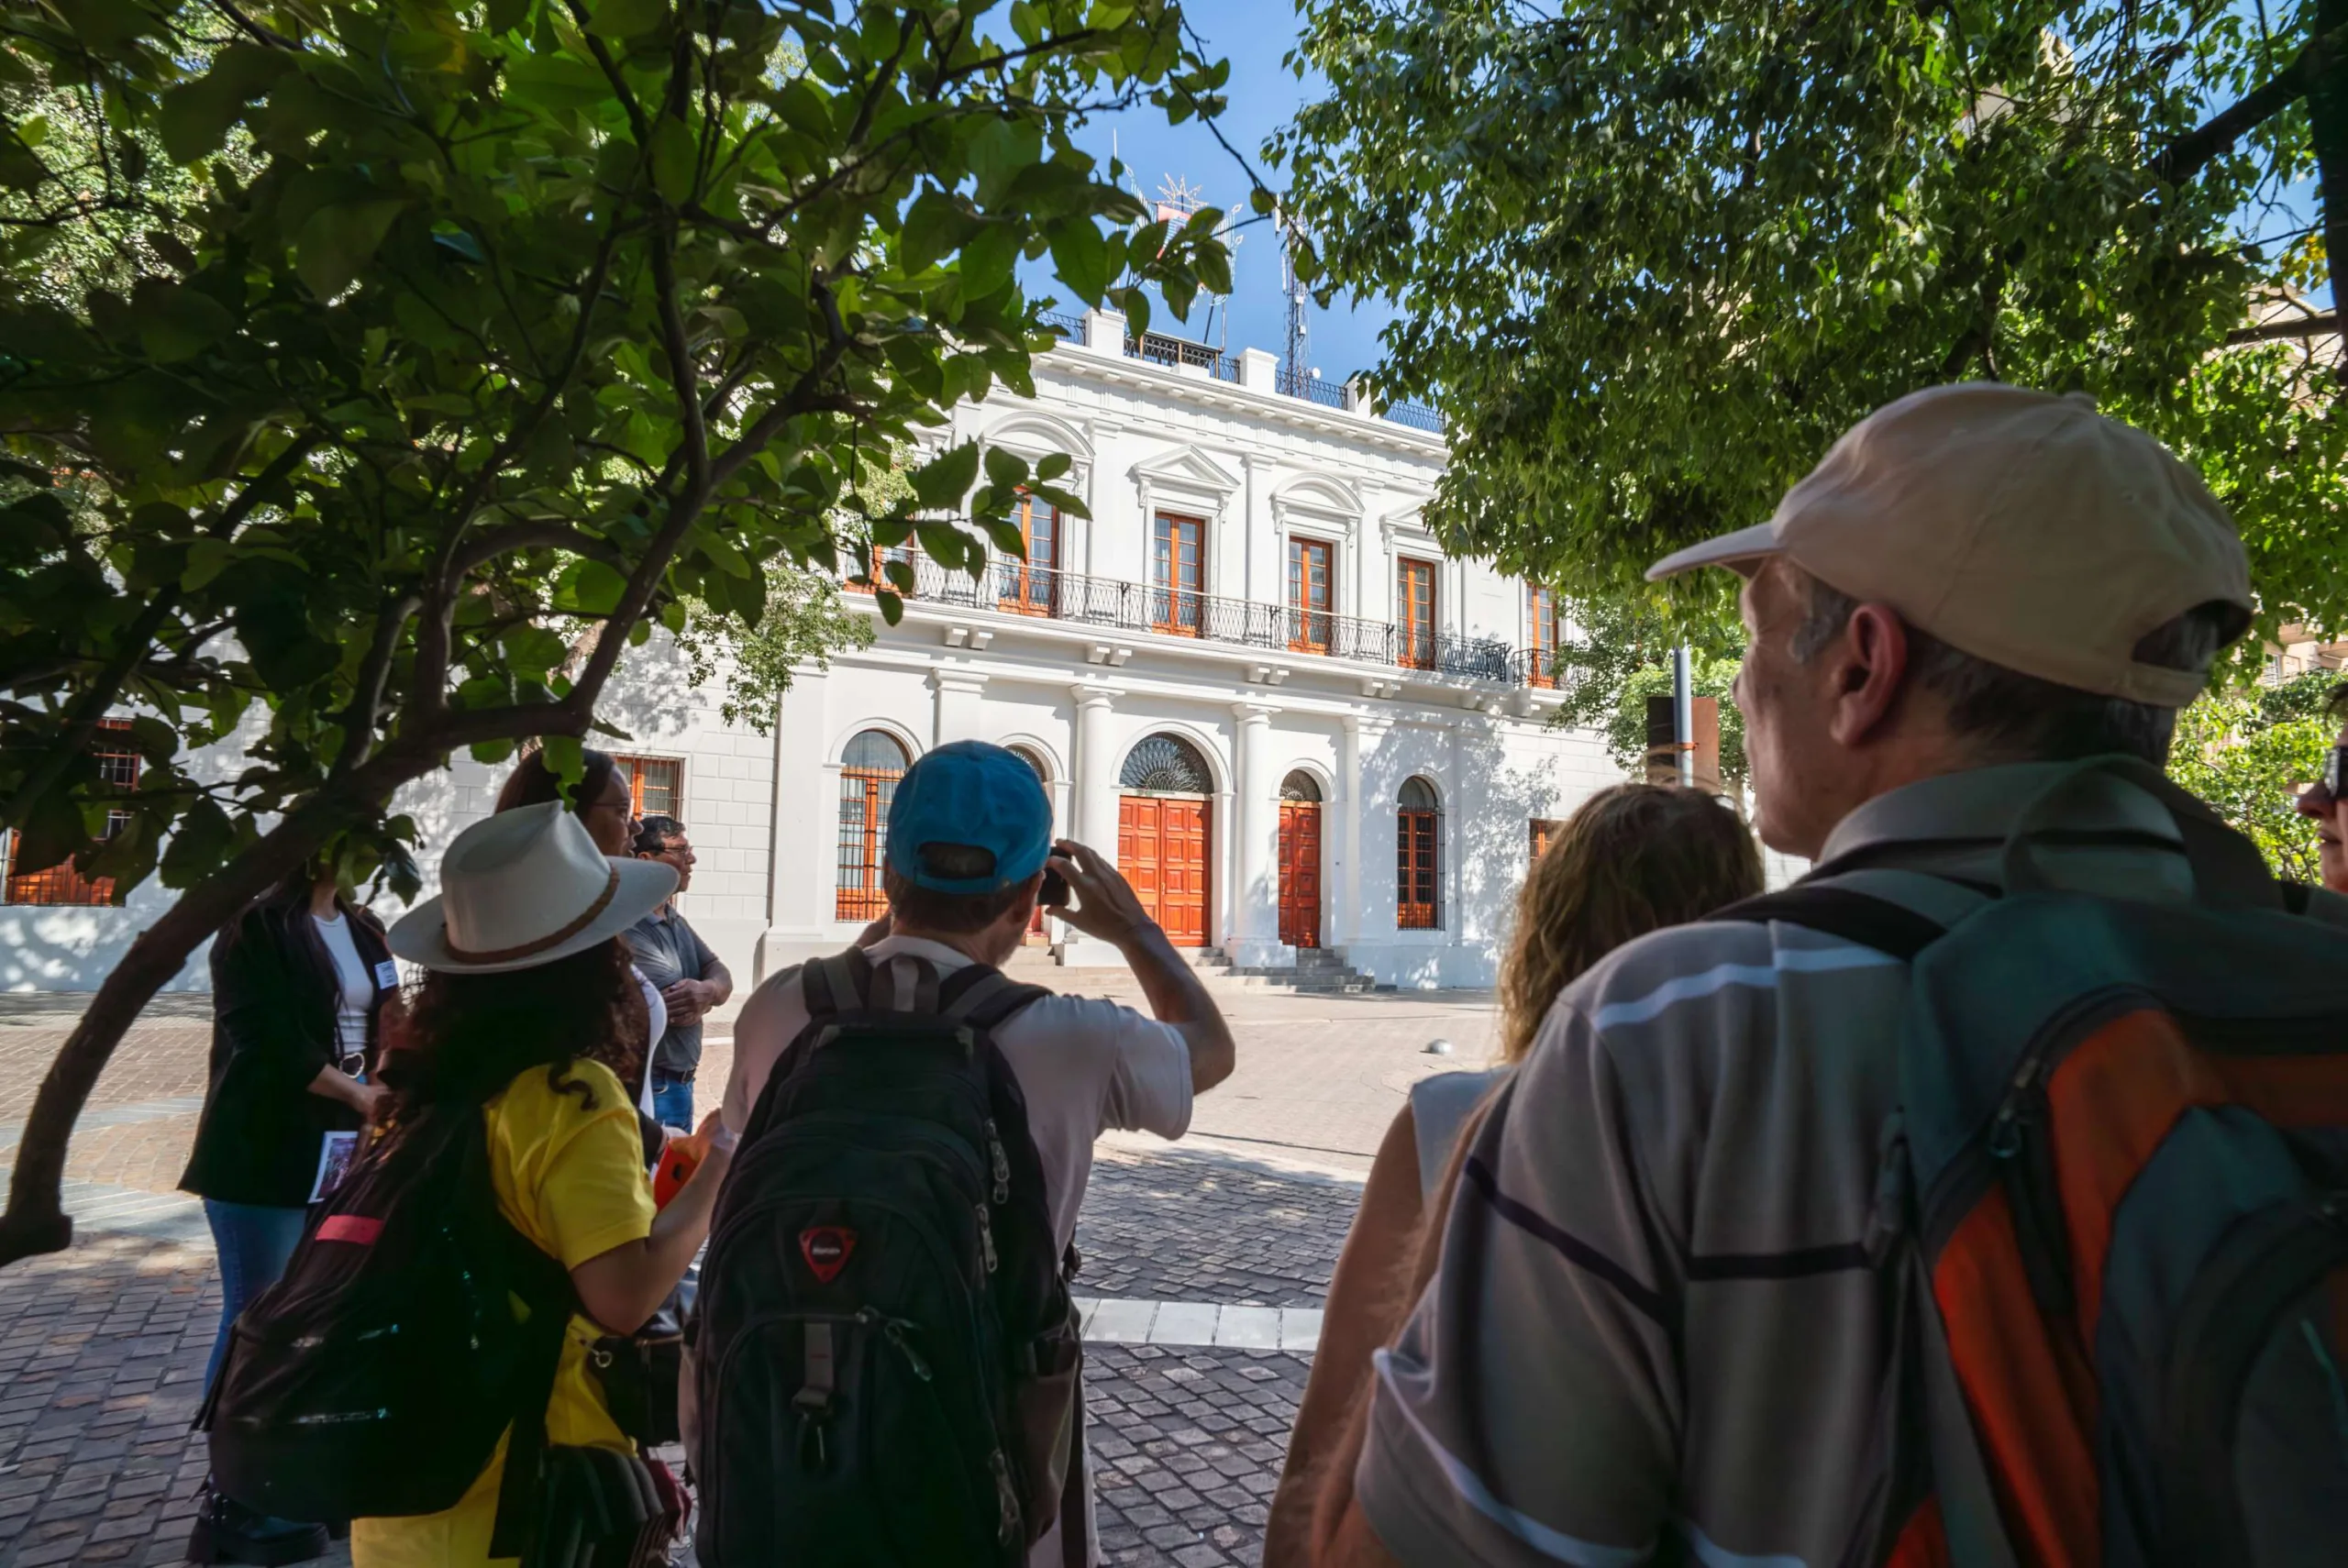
(334,1159)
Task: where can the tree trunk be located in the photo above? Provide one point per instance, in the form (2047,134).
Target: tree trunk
(35,1222)
(2328,123)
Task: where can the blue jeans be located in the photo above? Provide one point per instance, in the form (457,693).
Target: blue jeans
(254,1242)
(672,1102)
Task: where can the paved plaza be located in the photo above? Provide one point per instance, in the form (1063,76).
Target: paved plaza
(1205,1263)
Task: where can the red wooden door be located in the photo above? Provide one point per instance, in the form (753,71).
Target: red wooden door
(1162,850)
(1300,873)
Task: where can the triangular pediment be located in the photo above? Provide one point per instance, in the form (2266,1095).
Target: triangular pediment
(1186,467)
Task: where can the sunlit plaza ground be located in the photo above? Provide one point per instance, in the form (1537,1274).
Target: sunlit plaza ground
(102,1349)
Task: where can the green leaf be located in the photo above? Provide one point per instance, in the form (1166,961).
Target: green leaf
(626,18)
(935,226)
(1080,258)
(337,241)
(566,760)
(200,840)
(945,480)
(176,323)
(592,588)
(1052,465)
(674,157)
(1005,470)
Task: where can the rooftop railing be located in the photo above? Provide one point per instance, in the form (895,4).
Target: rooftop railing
(1160,349)
(1015,588)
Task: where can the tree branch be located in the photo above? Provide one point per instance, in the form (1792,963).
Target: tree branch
(82,720)
(2187,156)
(2321,325)
(489,543)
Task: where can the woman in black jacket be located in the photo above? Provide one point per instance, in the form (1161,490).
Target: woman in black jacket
(299,983)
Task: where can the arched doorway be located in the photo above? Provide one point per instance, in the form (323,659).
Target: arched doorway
(1036,936)
(1300,860)
(870,769)
(1164,835)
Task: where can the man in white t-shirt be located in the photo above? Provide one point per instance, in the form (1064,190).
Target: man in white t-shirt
(969,841)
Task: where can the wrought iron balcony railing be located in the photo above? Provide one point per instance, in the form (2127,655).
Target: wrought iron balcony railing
(1015,588)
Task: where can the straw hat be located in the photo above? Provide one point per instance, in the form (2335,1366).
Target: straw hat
(523,889)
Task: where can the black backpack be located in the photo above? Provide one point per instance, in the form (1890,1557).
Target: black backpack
(374,1379)
(883,1348)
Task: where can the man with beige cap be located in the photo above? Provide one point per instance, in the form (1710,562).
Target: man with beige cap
(1656,1331)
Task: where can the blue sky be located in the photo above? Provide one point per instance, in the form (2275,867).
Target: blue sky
(1264,93)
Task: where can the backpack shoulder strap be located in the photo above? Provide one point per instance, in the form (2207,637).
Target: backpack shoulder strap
(835,984)
(983,997)
(1866,919)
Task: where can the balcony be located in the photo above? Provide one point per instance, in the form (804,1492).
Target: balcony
(1014,588)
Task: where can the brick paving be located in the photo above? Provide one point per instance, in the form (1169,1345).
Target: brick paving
(102,1349)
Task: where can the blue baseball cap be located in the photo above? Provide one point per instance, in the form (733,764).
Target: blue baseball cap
(974,794)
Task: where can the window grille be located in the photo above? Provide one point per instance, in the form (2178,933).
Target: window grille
(868,774)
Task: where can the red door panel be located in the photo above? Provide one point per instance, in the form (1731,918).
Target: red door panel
(1162,850)
(1300,873)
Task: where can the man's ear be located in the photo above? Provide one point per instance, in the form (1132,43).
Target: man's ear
(1869,673)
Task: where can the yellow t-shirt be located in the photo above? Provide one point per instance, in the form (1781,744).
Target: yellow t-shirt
(571,1180)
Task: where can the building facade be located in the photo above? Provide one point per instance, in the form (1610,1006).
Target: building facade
(1252,677)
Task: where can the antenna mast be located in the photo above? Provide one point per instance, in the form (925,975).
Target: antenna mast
(1292,366)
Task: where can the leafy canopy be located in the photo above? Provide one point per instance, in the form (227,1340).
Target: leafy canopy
(1652,257)
(408,346)
(2249,752)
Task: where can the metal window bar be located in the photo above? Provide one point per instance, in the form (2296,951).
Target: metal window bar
(61,883)
(1015,587)
(1160,349)
(865,795)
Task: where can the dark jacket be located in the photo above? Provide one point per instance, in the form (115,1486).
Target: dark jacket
(274,992)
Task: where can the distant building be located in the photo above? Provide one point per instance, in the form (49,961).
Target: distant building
(1253,677)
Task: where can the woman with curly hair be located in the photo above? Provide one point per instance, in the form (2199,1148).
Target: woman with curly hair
(1633,859)
(530,1012)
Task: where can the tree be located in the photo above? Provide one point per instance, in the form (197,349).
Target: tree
(1651,259)
(2249,752)
(486,326)
(805,623)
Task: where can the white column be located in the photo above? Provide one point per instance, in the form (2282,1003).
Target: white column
(958,705)
(1255,899)
(1343,850)
(801,840)
(1094,817)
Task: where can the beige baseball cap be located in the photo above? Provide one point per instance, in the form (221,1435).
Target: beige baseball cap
(2018,526)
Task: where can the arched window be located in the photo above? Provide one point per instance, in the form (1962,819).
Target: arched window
(1418,847)
(1162,764)
(1299,786)
(870,769)
(1035,763)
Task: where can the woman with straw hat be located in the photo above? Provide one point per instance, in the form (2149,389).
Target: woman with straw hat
(529,1011)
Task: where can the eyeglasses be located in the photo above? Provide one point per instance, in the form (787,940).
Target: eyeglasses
(2335,768)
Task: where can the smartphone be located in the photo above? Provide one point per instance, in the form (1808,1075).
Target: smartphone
(1054,892)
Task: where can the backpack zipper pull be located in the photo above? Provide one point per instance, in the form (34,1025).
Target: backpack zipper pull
(896,1332)
(986,1236)
(999,1162)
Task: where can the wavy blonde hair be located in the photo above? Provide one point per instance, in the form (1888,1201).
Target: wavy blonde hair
(1632,860)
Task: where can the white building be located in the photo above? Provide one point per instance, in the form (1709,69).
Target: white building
(1252,676)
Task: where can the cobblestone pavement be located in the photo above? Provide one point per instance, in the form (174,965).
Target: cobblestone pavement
(102,1349)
